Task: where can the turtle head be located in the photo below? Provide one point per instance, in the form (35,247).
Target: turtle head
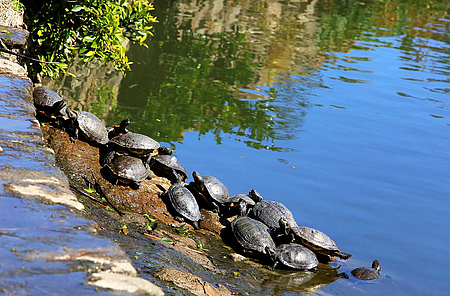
(124,123)
(198,179)
(242,208)
(285,227)
(376,265)
(272,253)
(164,150)
(71,114)
(59,106)
(255,195)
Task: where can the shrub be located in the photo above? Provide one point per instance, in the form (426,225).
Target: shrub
(90,28)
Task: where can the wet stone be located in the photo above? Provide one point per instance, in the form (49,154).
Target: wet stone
(14,37)
(190,282)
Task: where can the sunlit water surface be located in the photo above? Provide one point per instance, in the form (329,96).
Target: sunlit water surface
(340,113)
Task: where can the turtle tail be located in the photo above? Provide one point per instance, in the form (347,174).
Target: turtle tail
(344,256)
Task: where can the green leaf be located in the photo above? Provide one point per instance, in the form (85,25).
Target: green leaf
(77,8)
(167,240)
(149,218)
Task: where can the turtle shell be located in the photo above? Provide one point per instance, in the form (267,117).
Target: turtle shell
(296,256)
(184,203)
(236,199)
(48,102)
(239,202)
(270,212)
(90,126)
(133,143)
(252,235)
(317,241)
(367,273)
(128,169)
(211,188)
(165,165)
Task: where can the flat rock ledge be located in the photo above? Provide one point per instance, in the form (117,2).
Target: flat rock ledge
(107,268)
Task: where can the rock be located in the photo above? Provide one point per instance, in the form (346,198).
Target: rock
(211,222)
(124,283)
(40,192)
(190,282)
(14,37)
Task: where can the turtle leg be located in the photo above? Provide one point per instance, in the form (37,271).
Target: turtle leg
(216,208)
(195,224)
(179,218)
(135,185)
(74,136)
(274,265)
(175,177)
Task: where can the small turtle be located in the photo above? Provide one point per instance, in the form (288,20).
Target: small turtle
(89,125)
(128,170)
(184,204)
(212,190)
(170,167)
(270,212)
(315,240)
(243,202)
(117,130)
(48,103)
(294,256)
(367,273)
(253,236)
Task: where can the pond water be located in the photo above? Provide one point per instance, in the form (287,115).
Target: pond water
(338,109)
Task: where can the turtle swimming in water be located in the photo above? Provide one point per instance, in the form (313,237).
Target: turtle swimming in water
(367,273)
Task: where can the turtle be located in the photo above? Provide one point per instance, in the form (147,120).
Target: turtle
(270,212)
(117,130)
(184,204)
(294,256)
(212,190)
(253,236)
(367,273)
(89,125)
(128,170)
(243,202)
(170,167)
(132,144)
(48,104)
(314,239)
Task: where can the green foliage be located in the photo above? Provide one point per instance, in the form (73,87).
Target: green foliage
(17,6)
(90,28)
